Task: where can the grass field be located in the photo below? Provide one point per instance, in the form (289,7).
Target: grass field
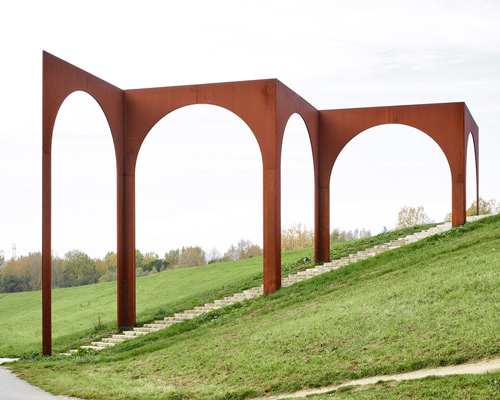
(80,313)
(435,302)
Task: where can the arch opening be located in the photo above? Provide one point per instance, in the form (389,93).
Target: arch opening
(83,179)
(83,206)
(198,182)
(381,170)
(297,178)
(471,177)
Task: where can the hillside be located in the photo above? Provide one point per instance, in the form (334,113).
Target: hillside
(434,302)
(85,312)
(78,311)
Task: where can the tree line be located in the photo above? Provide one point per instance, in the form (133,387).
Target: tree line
(76,268)
(410,216)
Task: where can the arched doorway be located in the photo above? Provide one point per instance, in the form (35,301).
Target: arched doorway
(471,172)
(198,183)
(83,179)
(381,170)
(297,176)
(84,210)
(199,171)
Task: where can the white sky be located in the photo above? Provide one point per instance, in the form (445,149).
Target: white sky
(335,54)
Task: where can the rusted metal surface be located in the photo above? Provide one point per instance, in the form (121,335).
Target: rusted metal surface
(448,124)
(265,106)
(60,79)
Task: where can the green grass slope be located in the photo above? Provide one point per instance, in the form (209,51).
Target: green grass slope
(85,311)
(81,313)
(435,302)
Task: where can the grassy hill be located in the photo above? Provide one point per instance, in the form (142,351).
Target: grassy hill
(85,311)
(435,302)
(81,313)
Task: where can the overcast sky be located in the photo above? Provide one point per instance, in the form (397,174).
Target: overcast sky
(199,173)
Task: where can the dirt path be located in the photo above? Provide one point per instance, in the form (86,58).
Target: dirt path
(463,369)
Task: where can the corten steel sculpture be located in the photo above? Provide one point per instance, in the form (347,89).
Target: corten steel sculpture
(265,106)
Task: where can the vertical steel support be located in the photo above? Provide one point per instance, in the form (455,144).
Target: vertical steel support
(126,251)
(322,237)
(46,255)
(272,229)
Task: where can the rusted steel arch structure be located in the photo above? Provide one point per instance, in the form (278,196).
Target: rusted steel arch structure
(448,124)
(265,106)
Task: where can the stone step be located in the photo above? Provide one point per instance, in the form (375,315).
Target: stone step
(113,340)
(164,322)
(213,306)
(207,309)
(254,291)
(185,315)
(149,328)
(245,296)
(308,273)
(103,344)
(172,319)
(136,331)
(222,302)
(323,270)
(140,331)
(197,312)
(124,337)
(293,279)
(92,347)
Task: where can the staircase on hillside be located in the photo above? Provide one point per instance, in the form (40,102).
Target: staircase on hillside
(258,291)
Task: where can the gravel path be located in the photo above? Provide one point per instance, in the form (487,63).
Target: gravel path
(472,368)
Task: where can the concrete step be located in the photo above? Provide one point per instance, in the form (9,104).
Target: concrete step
(164,322)
(244,295)
(103,344)
(150,328)
(254,291)
(92,347)
(185,315)
(206,309)
(141,331)
(213,306)
(308,273)
(113,340)
(224,302)
(124,337)
(172,319)
(136,332)
(294,279)
(297,277)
